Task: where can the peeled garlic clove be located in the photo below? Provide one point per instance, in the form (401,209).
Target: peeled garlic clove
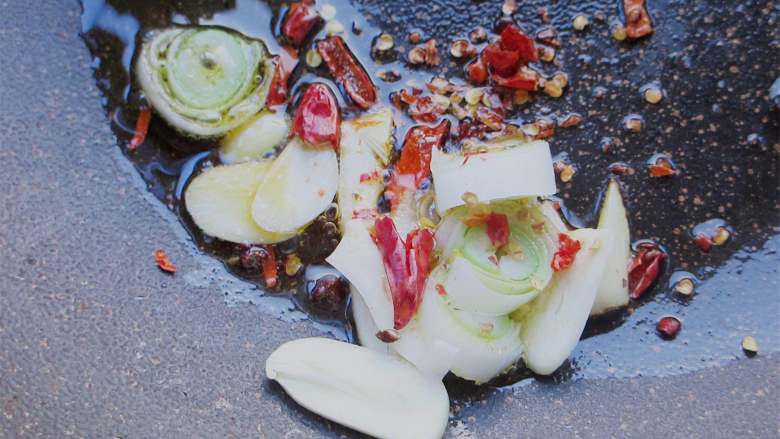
(364,324)
(254,139)
(613,291)
(377,394)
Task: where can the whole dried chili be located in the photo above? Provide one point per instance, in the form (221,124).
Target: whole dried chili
(644,269)
(165,264)
(299,21)
(406,265)
(346,70)
(286,62)
(317,118)
(637,19)
(566,253)
(141,128)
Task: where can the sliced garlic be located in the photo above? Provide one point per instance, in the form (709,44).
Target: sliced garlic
(613,291)
(377,394)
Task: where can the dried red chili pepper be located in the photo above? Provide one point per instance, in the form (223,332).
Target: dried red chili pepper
(165,264)
(668,327)
(567,252)
(497,229)
(416,153)
(406,265)
(644,269)
(477,72)
(347,71)
(637,19)
(286,62)
(299,21)
(317,118)
(703,241)
(141,128)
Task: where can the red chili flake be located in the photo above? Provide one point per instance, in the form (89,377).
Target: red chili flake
(165,264)
(367,213)
(661,168)
(366,176)
(286,62)
(637,19)
(570,120)
(524,78)
(346,69)
(416,153)
(431,53)
(477,72)
(491,119)
(299,21)
(567,252)
(644,269)
(441,290)
(317,118)
(703,241)
(497,229)
(425,109)
(388,335)
(141,128)
(471,129)
(546,127)
(406,265)
(668,327)
(440,86)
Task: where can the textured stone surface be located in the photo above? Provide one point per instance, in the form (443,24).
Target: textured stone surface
(96,342)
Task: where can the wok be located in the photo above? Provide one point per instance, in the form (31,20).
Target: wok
(96,342)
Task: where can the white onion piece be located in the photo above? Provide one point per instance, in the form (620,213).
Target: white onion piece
(468,292)
(555,320)
(220,202)
(377,394)
(449,234)
(613,291)
(358,259)
(554,216)
(364,324)
(254,139)
(299,186)
(520,171)
(431,355)
(478,358)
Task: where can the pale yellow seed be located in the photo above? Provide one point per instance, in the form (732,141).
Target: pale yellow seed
(292,265)
(750,345)
(653,95)
(721,236)
(473,96)
(561,78)
(521,97)
(567,173)
(580,22)
(684,287)
(334,27)
(444,101)
(384,42)
(553,89)
(619,32)
(313,58)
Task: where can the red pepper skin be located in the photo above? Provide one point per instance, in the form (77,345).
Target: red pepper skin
(141,129)
(416,153)
(299,21)
(703,241)
(317,118)
(567,251)
(162,260)
(347,71)
(638,23)
(477,72)
(501,62)
(523,79)
(497,228)
(507,60)
(285,64)
(668,327)
(406,265)
(644,269)
(424,109)
(512,38)
(270,269)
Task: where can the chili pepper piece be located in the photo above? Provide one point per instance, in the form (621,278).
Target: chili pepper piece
(566,253)
(523,79)
(299,21)
(416,153)
(502,62)
(703,241)
(512,38)
(346,70)
(162,260)
(644,269)
(317,118)
(141,128)
(425,109)
(477,72)
(286,62)
(637,19)
(668,327)
(497,229)
(406,265)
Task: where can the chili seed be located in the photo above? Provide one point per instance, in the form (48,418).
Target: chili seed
(389,75)
(633,123)
(478,35)
(553,89)
(462,49)
(417,55)
(442,101)
(328,12)
(388,335)
(521,97)
(313,58)
(415,37)
(570,120)
(653,95)
(684,287)
(668,327)
(750,345)
(721,236)
(703,241)
(562,78)
(292,265)
(334,27)
(384,42)
(474,96)
(619,32)
(580,22)
(567,173)
(546,54)
(509,7)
